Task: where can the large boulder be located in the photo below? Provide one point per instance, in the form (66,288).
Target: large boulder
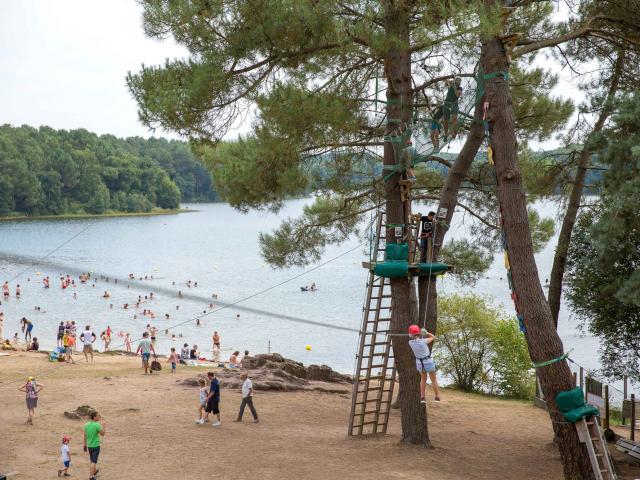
(324,373)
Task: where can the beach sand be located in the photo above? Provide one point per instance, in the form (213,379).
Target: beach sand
(151,434)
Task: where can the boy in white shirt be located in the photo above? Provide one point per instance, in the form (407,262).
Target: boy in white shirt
(65,456)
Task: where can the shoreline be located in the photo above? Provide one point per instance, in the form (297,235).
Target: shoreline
(83,216)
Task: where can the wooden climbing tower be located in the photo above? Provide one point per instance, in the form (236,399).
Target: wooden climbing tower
(375,371)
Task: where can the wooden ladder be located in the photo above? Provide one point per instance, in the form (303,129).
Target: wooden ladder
(590,434)
(375,371)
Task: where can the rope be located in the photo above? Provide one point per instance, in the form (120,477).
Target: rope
(552,361)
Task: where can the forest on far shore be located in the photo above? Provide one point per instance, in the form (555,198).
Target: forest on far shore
(44,171)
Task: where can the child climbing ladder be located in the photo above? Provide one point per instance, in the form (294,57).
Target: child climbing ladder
(419,341)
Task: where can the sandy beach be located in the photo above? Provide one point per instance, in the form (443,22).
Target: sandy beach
(301,435)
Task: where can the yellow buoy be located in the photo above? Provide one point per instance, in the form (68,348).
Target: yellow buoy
(308,347)
(38,273)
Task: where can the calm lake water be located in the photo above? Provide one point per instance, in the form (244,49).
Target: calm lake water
(218,248)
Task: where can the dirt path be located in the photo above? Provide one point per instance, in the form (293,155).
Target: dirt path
(151,433)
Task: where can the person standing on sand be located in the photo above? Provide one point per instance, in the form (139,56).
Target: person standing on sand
(247,398)
(61,329)
(67,343)
(173,359)
(1,327)
(65,456)
(31,389)
(213,401)
(93,430)
(88,337)
(28,329)
(145,347)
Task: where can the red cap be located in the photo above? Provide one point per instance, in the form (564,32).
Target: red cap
(414,330)
(66,438)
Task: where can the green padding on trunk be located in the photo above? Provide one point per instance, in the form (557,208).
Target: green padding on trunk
(573,406)
(396,251)
(394,269)
(400,269)
(428,269)
(579,413)
(570,399)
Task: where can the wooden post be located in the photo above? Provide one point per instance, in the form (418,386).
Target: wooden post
(624,394)
(581,377)
(633,417)
(586,388)
(606,406)
(575,379)
(269,347)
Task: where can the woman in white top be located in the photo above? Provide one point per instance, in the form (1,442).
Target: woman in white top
(419,341)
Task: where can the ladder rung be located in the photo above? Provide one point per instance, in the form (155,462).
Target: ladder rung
(378,366)
(372,422)
(379,354)
(369,400)
(375,344)
(370,412)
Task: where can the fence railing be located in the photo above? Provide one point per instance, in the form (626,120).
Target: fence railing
(616,406)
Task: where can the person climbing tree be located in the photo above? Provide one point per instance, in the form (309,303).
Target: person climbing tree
(451,108)
(436,116)
(419,340)
(426,235)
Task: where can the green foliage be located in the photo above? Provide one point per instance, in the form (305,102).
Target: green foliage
(480,349)
(314,78)
(469,260)
(317,226)
(604,256)
(52,172)
(510,364)
(542,229)
(538,114)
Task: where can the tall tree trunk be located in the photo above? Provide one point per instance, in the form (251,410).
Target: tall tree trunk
(564,240)
(404,308)
(542,339)
(427,287)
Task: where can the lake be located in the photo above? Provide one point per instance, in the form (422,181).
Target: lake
(217,247)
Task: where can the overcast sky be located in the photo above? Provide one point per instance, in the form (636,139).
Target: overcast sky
(63,64)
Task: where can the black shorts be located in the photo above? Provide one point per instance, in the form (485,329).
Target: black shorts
(94,453)
(212,407)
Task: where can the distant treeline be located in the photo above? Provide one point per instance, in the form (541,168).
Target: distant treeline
(54,172)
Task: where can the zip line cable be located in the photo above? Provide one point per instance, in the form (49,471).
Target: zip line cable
(310,322)
(47,255)
(145,288)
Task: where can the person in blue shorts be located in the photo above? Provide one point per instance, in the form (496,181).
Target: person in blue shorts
(65,456)
(145,347)
(419,340)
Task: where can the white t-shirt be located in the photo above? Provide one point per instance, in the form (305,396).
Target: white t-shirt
(64,451)
(87,337)
(247,385)
(203,395)
(420,347)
